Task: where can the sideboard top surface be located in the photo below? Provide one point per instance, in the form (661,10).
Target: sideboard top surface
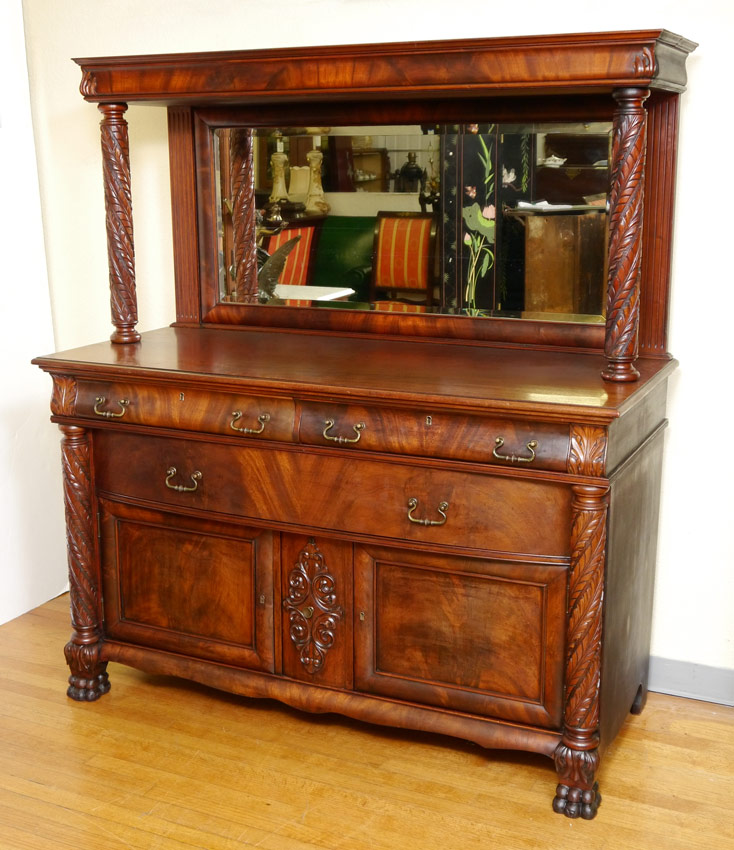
(549,383)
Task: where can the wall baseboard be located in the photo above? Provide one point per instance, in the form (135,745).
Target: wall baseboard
(695,681)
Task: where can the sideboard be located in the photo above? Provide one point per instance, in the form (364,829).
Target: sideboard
(436,518)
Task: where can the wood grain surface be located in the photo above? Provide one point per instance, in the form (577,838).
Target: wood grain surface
(139,769)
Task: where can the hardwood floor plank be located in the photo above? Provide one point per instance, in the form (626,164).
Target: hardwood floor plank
(139,769)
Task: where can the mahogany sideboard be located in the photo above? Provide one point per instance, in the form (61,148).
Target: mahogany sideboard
(438,522)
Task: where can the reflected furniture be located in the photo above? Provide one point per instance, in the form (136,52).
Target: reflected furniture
(299,265)
(404,258)
(435,522)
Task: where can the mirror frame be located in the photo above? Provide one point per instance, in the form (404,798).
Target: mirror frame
(214,312)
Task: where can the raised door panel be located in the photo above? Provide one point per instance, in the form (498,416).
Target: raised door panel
(479,636)
(180,584)
(316,576)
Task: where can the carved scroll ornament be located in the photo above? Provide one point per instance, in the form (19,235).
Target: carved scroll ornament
(311,603)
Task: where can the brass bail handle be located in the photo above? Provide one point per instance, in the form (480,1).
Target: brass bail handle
(263,418)
(181,488)
(442,508)
(513,458)
(109,414)
(358,428)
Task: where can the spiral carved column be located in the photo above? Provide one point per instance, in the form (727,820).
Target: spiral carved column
(88,680)
(625,234)
(119,219)
(243,215)
(577,756)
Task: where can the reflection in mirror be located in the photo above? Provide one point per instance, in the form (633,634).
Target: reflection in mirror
(479,219)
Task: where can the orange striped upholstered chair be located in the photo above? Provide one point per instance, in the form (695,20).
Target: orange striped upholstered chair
(403,261)
(299,265)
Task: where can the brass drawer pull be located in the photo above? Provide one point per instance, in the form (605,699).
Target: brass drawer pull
(442,508)
(358,428)
(263,418)
(108,414)
(180,488)
(531,446)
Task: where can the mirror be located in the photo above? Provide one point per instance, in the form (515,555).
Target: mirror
(505,220)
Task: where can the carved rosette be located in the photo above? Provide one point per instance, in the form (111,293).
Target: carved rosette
(576,757)
(625,234)
(63,397)
(88,680)
(311,603)
(243,215)
(118,205)
(588,451)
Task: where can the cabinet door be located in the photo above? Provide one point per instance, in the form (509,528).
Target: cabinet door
(317,610)
(478,636)
(186,585)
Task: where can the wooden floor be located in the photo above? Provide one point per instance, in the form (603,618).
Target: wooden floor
(138,770)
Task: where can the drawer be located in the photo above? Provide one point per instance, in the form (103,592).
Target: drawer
(191,410)
(354,495)
(482,439)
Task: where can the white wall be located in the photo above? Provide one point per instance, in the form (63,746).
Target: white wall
(32,563)
(694,619)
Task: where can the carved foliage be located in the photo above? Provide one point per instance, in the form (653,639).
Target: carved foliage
(118,205)
(588,451)
(63,398)
(625,233)
(88,680)
(311,603)
(577,756)
(583,661)
(243,215)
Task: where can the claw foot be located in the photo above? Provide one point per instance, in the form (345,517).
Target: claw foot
(88,689)
(89,680)
(577,802)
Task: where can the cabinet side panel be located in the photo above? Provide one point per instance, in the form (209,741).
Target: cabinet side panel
(632,545)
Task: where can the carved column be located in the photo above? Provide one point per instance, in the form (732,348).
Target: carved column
(243,215)
(118,205)
(625,234)
(577,756)
(88,680)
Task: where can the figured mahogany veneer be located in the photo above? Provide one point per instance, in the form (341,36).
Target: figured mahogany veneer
(168,407)
(431,522)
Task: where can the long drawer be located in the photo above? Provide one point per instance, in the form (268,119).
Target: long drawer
(484,439)
(379,498)
(190,410)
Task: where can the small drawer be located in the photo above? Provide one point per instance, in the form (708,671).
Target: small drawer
(532,445)
(349,494)
(191,410)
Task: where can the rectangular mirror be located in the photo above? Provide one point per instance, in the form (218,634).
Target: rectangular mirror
(486,220)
